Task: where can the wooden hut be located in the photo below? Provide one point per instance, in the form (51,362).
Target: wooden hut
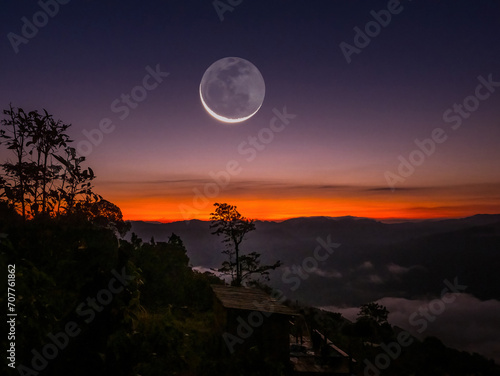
(249,318)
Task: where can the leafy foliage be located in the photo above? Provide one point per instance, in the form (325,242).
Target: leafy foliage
(228,222)
(46,176)
(373,311)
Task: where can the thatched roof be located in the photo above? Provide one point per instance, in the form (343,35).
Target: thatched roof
(250,299)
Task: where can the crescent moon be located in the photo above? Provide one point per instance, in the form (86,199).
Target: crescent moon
(232,90)
(222,118)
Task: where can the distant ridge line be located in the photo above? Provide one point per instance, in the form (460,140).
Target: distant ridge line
(340,218)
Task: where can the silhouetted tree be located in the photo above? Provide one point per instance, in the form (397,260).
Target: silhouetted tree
(227,221)
(104,214)
(45,177)
(373,311)
(371,323)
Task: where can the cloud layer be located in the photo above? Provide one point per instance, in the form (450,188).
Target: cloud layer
(467,323)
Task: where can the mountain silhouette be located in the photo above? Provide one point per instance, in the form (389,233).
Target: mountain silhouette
(374,259)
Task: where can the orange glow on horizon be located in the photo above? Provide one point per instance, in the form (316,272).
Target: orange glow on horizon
(165,210)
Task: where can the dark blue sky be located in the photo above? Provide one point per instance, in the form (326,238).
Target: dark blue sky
(354,120)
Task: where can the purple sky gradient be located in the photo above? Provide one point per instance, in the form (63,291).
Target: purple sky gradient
(352,121)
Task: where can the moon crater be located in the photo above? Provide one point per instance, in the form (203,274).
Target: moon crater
(232,90)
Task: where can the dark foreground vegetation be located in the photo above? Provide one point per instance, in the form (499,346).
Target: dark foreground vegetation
(162,321)
(90,303)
